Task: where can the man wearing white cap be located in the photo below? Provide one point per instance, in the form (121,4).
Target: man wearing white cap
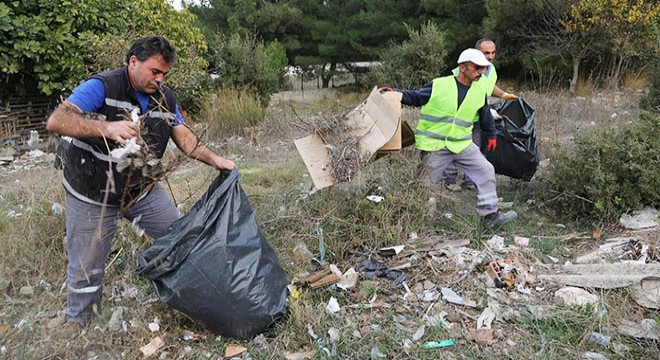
(450,107)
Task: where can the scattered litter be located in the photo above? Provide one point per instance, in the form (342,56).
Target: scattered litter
(234,350)
(303,250)
(575,296)
(333,335)
(521,241)
(348,279)
(590,355)
(439,344)
(599,339)
(154,326)
(26,290)
(370,269)
(35,153)
(627,249)
(450,296)
(375,198)
(376,353)
(419,333)
(646,329)
(391,250)
(152,347)
(135,225)
(481,336)
(116,319)
(57,209)
(293,291)
(485,319)
(496,243)
(438,320)
(552,258)
(302,355)
(505,273)
(320,278)
(333,307)
(640,219)
(319,232)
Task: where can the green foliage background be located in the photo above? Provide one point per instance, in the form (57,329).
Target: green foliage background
(610,172)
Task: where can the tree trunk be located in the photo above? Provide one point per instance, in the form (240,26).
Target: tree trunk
(326,77)
(576,73)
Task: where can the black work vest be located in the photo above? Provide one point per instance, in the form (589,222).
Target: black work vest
(87,166)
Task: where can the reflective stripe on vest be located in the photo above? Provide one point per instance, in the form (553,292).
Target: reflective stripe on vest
(442,124)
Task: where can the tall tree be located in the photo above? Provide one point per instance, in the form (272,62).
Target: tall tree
(631,26)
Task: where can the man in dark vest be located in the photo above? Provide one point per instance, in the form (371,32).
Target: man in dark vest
(120,122)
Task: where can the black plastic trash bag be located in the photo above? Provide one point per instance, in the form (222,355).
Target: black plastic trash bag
(216,266)
(515,155)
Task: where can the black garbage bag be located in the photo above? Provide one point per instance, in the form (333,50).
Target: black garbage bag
(515,155)
(216,266)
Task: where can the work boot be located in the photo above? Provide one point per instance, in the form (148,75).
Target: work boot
(453,187)
(498,218)
(468,185)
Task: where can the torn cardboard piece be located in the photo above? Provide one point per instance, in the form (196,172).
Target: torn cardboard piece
(376,125)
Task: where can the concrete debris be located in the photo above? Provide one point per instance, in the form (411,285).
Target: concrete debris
(640,219)
(627,249)
(573,296)
(643,279)
(599,339)
(26,291)
(646,329)
(590,355)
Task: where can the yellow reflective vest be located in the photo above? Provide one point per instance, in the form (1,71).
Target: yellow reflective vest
(442,124)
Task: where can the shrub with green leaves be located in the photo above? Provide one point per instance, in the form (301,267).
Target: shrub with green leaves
(414,62)
(242,61)
(651,101)
(609,172)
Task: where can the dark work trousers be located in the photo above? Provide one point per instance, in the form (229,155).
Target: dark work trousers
(450,176)
(89,239)
(473,164)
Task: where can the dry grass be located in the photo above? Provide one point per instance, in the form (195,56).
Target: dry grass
(275,180)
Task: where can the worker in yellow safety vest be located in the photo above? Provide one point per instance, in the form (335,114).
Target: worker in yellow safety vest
(450,106)
(488,80)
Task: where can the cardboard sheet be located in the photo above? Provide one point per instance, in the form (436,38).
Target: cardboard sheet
(376,122)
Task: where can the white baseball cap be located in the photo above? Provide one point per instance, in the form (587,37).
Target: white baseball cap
(474,56)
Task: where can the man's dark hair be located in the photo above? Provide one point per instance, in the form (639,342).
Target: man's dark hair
(148,46)
(481,41)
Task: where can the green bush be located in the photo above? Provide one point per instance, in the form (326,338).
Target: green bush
(651,101)
(414,62)
(609,172)
(242,61)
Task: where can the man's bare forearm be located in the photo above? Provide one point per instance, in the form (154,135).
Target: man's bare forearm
(68,120)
